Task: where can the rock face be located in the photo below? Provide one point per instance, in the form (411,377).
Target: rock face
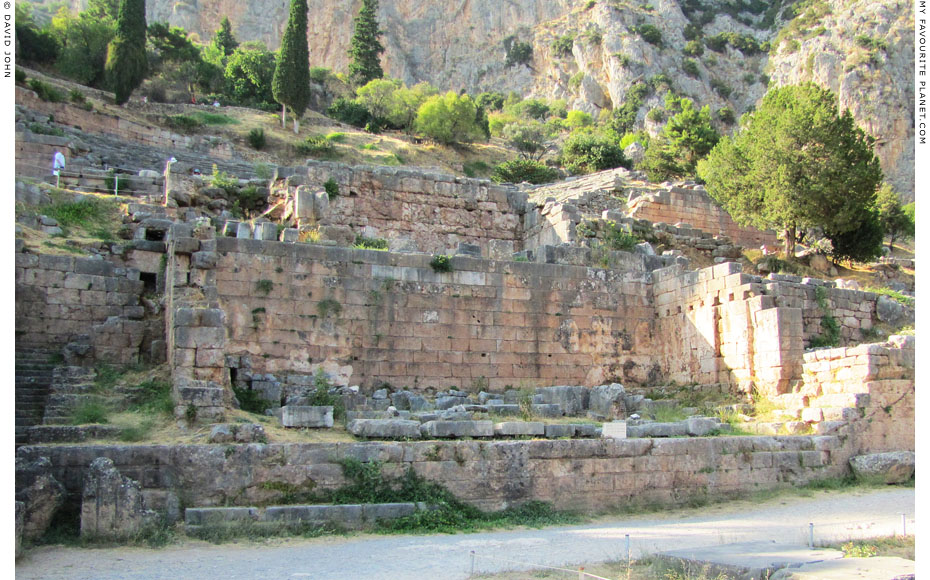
(111,505)
(40,493)
(892,467)
(863,51)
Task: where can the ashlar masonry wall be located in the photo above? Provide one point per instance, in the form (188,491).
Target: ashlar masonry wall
(428,211)
(693,206)
(581,474)
(370,317)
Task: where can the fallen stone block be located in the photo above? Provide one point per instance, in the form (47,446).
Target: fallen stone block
(657,430)
(891,467)
(559,431)
(112,504)
(585,430)
(519,428)
(547,410)
(607,401)
(384,428)
(306,416)
(504,410)
(443,429)
(40,493)
(700,426)
(572,400)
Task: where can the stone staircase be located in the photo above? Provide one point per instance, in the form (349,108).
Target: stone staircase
(34,371)
(70,386)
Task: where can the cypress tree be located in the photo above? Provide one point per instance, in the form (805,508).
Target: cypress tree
(224,39)
(365,50)
(126,61)
(291,83)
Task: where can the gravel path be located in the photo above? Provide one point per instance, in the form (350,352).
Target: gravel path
(836,515)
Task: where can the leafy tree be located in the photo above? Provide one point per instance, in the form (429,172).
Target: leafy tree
(448,119)
(84,40)
(365,48)
(223,38)
(586,152)
(530,109)
(687,137)
(796,164)
(377,95)
(103,9)
(349,111)
(491,101)
(406,102)
(897,221)
(575,119)
(517,51)
(291,82)
(174,57)
(530,138)
(861,244)
(623,118)
(249,72)
(126,63)
(34,44)
(520,170)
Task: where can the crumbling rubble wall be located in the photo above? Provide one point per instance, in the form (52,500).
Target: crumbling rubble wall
(583,474)
(692,205)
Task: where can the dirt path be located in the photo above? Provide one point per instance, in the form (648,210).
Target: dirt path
(836,515)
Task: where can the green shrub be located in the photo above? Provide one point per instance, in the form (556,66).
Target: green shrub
(349,111)
(859,550)
(322,397)
(693,48)
(690,66)
(618,239)
(262,170)
(475,168)
(223,180)
(575,81)
(76,96)
(315,145)
(650,34)
(721,88)
(251,401)
(586,152)
(517,52)
(20,75)
(331,188)
(336,137)
(257,139)
(89,214)
(520,170)
(364,243)
(441,263)
(656,115)
(726,115)
(562,45)
(183,123)
(328,306)
(692,31)
(152,397)
(41,129)
(264,286)
(46,92)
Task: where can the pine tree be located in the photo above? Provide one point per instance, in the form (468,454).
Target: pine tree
(291,82)
(365,50)
(126,61)
(223,39)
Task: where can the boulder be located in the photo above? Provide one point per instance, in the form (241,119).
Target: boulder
(221,433)
(384,428)
(40,493)
(891,467)
(112,504)
(250,433)
(607,401)
(700,426)
(891,311)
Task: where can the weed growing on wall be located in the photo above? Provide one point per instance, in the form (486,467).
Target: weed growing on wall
(363,243)
(322,397)
(90,412)
(264,286)
(829,324)
(441,263)
(331,188)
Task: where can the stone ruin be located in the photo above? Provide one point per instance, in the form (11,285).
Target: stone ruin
(533,308)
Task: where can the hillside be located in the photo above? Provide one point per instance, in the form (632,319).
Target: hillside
(860,49)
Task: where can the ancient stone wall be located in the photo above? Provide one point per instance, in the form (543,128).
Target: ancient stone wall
(694,207)
(34,153)
(592,474)
(876,380)
(415,209)
(60,299)
(373,317)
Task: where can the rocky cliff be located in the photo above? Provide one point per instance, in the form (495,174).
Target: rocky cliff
(861,49)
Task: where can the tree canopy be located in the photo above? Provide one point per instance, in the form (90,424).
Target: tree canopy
(796,163)
(897,220)
(291,82)
(127,63)
(687,137)
(223,39)
(365,48)
(449,118)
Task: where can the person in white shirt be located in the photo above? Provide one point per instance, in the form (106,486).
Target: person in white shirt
(58,163)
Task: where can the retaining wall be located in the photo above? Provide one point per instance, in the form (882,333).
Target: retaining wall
(571,474)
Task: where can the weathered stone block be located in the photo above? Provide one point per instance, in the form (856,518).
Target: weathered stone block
(40,493)
(559,431)
(443,429)
(306,416)
(384,428)
(111,504)
(519,428)
(892,467)
(220,516)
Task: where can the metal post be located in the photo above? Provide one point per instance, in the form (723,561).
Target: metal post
(116,184)
(904,525)
(581,573)
(472,573)
(810,542)
(629,553)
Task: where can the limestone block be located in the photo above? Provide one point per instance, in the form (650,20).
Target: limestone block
(700,426)
(204,260)
(221,433)
(219,516)
(443,429)
(572,400)
(585,430)
(504,410)
(244,231)
(678,429)
(558,431)
(547,410)
(608,401)
(249,433)
(892,467)
(111,504)
(409,401)
(306,416)
(39,492)
(519,428)
(384,428)
(812,415)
